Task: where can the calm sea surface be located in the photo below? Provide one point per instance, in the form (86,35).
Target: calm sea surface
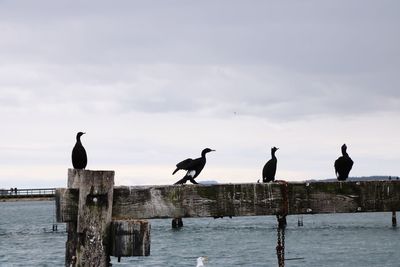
(363,239)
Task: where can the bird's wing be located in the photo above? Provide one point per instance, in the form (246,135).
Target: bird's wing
(79,157)
(185,164)
(338,165)
(343,164)
(267,170)
(349,164)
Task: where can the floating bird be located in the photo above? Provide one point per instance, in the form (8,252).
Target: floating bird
(192,166)
(343,165)
(269,169)
(79,158)
(201,261)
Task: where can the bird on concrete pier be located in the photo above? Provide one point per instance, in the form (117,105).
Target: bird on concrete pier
(79,157)
(343,165)
(192,166)
(269,170)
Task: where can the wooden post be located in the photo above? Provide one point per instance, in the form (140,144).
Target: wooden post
(130,238)
(281,221)
(177,223)
(88,242)
(300,221)
(394,219)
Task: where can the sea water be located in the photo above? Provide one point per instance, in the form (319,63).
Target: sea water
(362,239)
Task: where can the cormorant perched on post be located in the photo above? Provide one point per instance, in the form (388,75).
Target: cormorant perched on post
(192,166)
(343,165)
(269,169)
(79,158)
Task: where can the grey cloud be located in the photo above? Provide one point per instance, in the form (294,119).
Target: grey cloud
(220,90)
(274,60)
(347,36)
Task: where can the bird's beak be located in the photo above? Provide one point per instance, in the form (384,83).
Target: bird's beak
(83,133)
(213,150)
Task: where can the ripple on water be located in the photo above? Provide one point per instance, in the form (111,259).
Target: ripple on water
(328,240)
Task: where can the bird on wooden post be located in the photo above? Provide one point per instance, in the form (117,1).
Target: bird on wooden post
(343,165)
(192,166)
(79,157)
(269,170)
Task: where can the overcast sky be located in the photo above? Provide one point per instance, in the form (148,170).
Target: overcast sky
(155,82)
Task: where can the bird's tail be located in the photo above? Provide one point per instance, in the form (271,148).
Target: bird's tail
(193,181)
(184,180)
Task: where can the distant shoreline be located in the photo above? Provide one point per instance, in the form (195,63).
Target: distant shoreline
(19,199)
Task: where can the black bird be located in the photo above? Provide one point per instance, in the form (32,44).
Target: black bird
(192,166)
(79,158)
(343,165)
(269,169)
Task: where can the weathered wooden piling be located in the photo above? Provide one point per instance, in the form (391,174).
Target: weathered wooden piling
(177,223)
(93,233)
(394,219)
(96,190)
(130,238)
(181,201)
(281,221)
(300,221)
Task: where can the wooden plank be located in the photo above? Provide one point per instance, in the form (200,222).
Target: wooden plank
(196,200)
(172,201)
